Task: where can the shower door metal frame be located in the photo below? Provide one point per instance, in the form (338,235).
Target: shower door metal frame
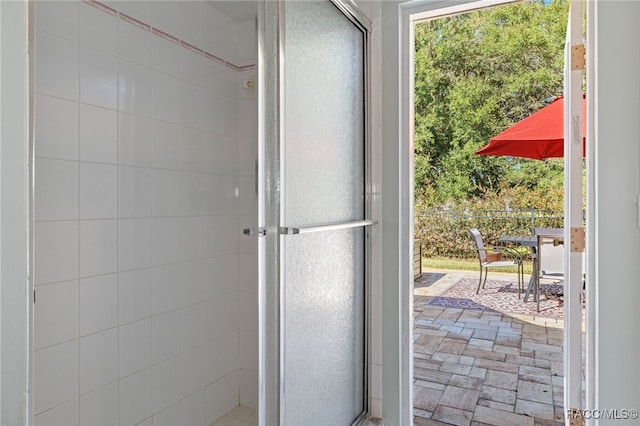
(271,230)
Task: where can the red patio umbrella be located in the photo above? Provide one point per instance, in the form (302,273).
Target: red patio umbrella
(539,136)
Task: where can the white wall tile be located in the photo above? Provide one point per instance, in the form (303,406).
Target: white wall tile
(134,140)
(165,288)
(98,360)
(56,251)
(135,397)
(165,97)
(191,104)
(56,128)
(134,43)
(134,347)
(247,118)
(100,407)
(62,415)
(232,389)
(98,134)
(249,389)
(165,193)
(55,375)
(219,316)
(232,149)
(98,78)
(98,29)
(165,240)
(231,356)
(192,282)
(214,149)
(165,336)
(224,271)
(171,416)
(248,273)
(165,145)
(134,87)
(98,191)
(376,313)
(248,199)
(224,80)
(98,303)
(56,189)
(58,17)
(192,194)
(56,314)
(247,41)
(248,311)
(375,346)
(231,195)
(193,409)
(215,350)
(191,238)
(135,192)
(134,295)
(135,244)
(215,406)
(226,108)
(191,370)
(248,350)
(165,379)
(98,247)
(165,52)
(192,150)
(56,68)
(192,320)
(247,156)
(216,200)
(227,232)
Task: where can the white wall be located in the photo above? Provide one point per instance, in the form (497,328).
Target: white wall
(142,184)
(13,212)
(617,184)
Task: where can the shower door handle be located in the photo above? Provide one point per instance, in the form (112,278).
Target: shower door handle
(260,232)
(287,230)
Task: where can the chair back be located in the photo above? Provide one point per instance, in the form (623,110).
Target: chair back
(477,239)
(550,251)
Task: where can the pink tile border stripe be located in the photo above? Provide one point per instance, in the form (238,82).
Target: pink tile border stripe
(143,25)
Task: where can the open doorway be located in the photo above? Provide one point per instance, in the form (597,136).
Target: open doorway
(479,359)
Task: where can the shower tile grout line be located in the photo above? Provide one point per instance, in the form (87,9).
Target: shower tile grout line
(158,32)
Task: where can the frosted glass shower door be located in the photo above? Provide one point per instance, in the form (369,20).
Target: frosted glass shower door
(319,175)
(322,215)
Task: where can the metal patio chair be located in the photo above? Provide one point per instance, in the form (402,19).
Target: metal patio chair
(550,256)
(514,260)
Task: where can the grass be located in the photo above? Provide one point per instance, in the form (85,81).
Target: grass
(464,265)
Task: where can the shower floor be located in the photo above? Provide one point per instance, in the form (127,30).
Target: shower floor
(239,416)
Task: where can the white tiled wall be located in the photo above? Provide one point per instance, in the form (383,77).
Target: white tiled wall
(146,294)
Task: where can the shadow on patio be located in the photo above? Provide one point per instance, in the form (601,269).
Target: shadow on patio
(478,366)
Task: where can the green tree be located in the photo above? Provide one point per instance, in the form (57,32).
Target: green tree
(476,74)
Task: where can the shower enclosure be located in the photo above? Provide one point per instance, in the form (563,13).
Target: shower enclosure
(189,254)
(145,145)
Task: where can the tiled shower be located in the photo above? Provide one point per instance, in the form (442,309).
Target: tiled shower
(145,130)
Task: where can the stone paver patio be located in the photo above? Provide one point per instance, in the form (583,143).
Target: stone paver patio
(474,367)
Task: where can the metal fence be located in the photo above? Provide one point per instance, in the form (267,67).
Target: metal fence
(445,232)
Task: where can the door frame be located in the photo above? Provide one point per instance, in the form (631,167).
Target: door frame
(398,161)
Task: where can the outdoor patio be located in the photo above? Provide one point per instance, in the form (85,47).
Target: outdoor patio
(476,365)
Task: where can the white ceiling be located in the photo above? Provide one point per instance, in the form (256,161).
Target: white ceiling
(239,10)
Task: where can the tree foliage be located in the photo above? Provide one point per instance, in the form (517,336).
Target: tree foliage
(476,74)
